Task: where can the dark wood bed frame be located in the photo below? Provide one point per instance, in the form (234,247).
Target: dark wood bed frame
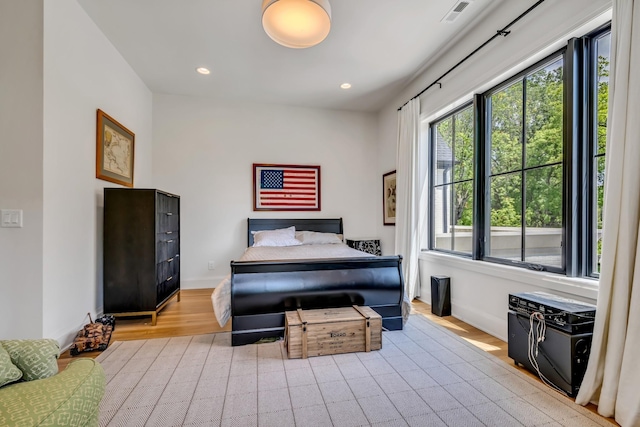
(261,291)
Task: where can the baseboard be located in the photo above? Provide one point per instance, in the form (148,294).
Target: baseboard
(492,325)
(478,318)
(207,283)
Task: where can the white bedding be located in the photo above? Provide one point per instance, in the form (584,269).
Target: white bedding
(221,297)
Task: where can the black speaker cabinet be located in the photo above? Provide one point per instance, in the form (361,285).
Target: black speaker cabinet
(562,357)
(441,295)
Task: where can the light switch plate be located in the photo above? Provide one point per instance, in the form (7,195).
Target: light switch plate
(11,218)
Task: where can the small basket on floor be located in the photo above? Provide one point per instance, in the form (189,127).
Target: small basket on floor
(94,336)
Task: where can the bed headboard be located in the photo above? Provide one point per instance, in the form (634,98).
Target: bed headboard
(326,225)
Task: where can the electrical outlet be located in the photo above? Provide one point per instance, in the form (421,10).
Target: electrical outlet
(212,265)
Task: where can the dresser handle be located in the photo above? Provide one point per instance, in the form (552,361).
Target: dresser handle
(169,232)
(169,213)
(170,259)
(169,241)
(170,277)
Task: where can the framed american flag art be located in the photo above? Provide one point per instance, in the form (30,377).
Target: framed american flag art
(286,187)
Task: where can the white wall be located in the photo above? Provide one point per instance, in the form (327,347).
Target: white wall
(479,290)
(204,151)
(387,138)
(82,72)
(21,167)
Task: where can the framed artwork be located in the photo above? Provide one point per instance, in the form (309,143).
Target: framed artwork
(114,151)
(286,187)
(389,198)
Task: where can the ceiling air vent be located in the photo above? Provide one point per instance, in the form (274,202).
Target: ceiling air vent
(456,10)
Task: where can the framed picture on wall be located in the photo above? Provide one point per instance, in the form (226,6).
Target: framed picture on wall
(286,187)
(389,198)
(115,146)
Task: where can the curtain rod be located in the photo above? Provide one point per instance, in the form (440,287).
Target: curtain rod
(503,32)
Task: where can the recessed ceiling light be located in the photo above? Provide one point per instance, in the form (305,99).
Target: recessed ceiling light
(203,70)
(345,86)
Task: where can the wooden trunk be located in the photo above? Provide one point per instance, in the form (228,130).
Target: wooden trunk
(332,331)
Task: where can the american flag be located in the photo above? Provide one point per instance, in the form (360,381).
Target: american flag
(287,187)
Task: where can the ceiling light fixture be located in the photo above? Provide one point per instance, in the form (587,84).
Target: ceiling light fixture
(296,23)
(203,70)
(345,86)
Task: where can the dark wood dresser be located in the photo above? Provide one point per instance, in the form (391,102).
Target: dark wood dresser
(141,251)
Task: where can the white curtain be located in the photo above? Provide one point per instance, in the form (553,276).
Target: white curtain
(612,380)
(407,199)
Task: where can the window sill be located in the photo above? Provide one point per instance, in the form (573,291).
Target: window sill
(573,286)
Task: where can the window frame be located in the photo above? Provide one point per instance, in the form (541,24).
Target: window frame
(485,170)
(590,119)
(432,179)
(579,170)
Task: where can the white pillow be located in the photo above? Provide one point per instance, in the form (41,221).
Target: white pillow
(317,238)
(279,237)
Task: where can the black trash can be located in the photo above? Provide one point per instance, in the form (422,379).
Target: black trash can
(441,295)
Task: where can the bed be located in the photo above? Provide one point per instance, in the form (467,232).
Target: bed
(261,291)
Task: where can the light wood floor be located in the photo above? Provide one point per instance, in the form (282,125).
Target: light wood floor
(193,315)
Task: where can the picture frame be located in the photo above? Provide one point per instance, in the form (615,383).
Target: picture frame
(286,187)
(389,198)
(115,151)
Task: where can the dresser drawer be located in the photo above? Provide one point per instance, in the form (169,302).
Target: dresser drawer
(167,246)
(167,221)
(167,203)
(167,270)
(166,288)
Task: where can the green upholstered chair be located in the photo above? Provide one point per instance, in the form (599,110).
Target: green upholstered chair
(33,393)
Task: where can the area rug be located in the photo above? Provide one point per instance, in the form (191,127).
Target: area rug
(423,376)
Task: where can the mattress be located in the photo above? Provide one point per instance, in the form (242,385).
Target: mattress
(221,297)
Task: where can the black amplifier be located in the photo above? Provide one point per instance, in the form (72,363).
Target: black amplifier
(561,313)
(561,358)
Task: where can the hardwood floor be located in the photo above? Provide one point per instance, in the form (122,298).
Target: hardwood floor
(193,315)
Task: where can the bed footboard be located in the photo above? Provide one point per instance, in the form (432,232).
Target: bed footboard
(262,291)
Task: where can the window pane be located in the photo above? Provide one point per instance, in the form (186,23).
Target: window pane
(452,208)
(602,99)
(599,204)
(506,129)
(463,150)
(543,216)
(463,216)
(443,151)
(544,115)
(506,213)
(442,221)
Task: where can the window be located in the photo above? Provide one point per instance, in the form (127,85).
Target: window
(452,178)
(517,177)
(599,96)
(525,172)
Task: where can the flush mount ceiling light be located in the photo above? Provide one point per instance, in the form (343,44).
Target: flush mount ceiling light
(345,86)
(296,23)
(203,70)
